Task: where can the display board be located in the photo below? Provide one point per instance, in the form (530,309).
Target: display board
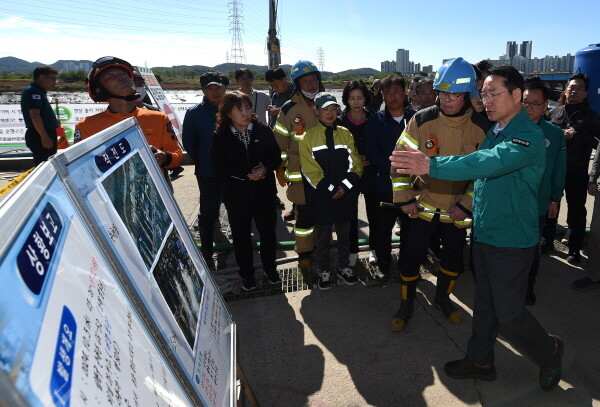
(108,301)
(12,127)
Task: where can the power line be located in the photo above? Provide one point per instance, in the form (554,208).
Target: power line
(83,24)
(82,11)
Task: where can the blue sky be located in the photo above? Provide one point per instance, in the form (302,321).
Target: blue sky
(352,33)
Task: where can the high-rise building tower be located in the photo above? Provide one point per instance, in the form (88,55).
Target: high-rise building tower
(525,50)
(511,48)
(402,61)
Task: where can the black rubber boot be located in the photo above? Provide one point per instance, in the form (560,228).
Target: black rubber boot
(407,308)
(443,289)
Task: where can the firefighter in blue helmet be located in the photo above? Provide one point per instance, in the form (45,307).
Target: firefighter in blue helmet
(508,169)
(438,207)
(295,118)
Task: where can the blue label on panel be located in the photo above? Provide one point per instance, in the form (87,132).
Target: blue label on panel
(33,260)
(112,155)
(62,368)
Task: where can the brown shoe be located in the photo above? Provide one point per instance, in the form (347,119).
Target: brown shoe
(465,369)
(551,371)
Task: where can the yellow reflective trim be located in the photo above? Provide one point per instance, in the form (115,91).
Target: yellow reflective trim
(281,130)
(303,232)
(427,206)
(409,279)
(284,155)
(401,181)
(298,137)
(451,286)
(469,190)
(463,80)
(464,222)
(448,272)
(293,175)
(406,139)
(426,215)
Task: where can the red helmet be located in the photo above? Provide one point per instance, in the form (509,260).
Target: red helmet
(95,89)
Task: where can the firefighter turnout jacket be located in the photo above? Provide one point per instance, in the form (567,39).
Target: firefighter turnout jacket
(437,135)
(294,119)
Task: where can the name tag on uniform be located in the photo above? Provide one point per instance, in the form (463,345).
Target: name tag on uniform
(523,143)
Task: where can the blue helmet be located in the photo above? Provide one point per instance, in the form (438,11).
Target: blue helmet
(456,76)
(302,68)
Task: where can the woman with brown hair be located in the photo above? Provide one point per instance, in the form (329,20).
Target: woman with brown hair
(245,156)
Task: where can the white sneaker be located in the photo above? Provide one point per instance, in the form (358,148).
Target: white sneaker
(352,259)
(565,238)
(373,257)
(324,282)
(347,276)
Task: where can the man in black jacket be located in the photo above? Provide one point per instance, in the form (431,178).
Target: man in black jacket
(581,126)
(38,116)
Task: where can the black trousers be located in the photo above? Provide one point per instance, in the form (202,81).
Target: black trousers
(241,212)
(372,210)
(576,195)
(210,203)
(34,143)
(381,229)
(535,266)
(500,290)
(419,238)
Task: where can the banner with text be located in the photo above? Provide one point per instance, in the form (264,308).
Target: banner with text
(12,127)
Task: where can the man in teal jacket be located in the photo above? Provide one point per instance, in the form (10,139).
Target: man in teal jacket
(509,169)
(535,103)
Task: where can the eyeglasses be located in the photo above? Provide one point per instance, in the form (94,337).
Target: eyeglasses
(491,96)
(449,96)
(535,105)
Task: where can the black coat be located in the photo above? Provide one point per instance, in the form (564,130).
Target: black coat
(369,176)
(586,123)
(232,163)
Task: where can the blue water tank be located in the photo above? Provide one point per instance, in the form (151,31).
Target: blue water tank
(587,60)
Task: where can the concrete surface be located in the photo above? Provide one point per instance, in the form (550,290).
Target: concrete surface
(312,348)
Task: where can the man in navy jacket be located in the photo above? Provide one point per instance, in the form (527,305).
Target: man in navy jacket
(198,128)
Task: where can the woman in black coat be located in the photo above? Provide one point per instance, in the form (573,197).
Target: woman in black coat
(354,117)
(245,156)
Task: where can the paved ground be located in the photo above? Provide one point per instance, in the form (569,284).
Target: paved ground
(311,348)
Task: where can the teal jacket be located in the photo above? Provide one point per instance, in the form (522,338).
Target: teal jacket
(508,170)
(553,183)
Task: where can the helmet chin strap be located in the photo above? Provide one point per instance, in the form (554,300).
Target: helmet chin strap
(128,98)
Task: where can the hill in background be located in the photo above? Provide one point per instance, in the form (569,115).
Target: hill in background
(16,65)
